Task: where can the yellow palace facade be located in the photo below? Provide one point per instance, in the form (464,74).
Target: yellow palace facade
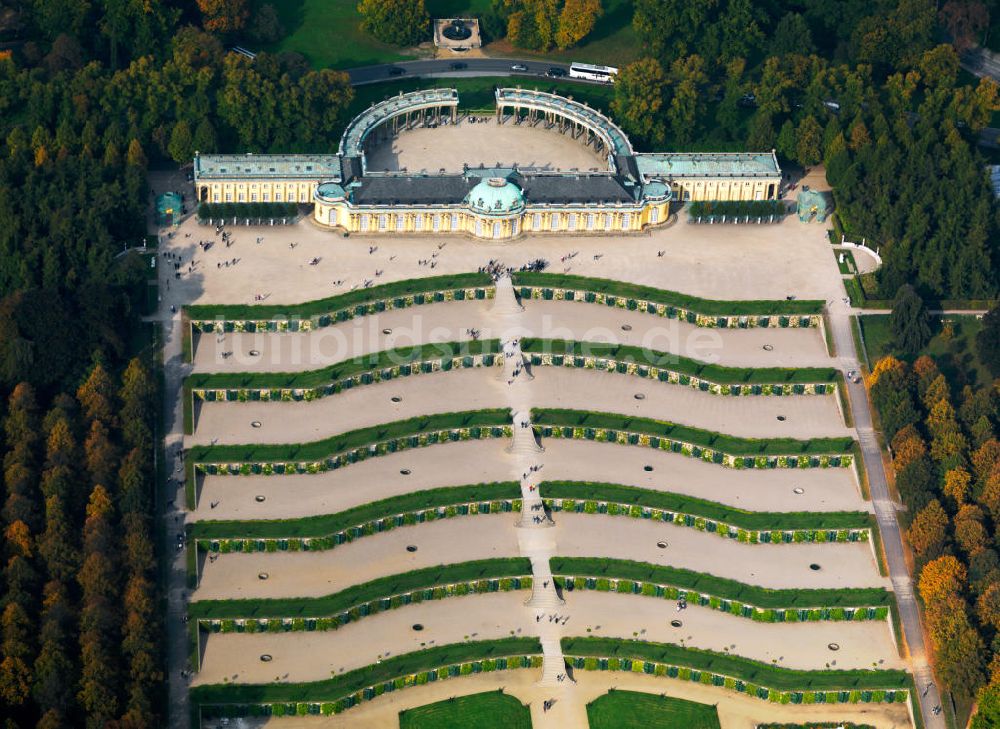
(634,192)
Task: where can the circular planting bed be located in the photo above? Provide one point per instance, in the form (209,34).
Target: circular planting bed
(262,575)
(815,567)
(255,353)
(266,657)
(259,498)
(396,398)
(626,327)
(387,330)
(781,418)
(405,471)
(639,396)
(661,545)
(255,424)
(676,623)
(647,469)
(833,646)
(768,347)
(418,627)
(411,547)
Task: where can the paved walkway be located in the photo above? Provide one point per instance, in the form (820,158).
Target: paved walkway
(885,511)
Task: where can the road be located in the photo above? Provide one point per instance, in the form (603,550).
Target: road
(885,514)
(472,67)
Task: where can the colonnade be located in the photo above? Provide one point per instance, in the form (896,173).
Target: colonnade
(552,120)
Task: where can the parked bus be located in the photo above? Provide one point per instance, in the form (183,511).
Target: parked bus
(604,74)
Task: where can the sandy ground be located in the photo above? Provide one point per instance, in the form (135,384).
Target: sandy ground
(455,464)
(446,322)
(736,711)
(315,656)
(313,574)
(450,147)
(774,566)
(713,261)
(805,416)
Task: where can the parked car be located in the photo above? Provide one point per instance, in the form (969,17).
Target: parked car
(396,71)
(519,67)
(457,66)
(555,72)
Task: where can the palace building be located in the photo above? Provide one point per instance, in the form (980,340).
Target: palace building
(632,192)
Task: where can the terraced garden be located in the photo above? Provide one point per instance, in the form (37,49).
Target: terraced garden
(534,513)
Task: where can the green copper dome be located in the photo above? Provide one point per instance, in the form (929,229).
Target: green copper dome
(495,196)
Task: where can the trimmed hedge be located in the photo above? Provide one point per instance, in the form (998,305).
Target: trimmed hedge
(602,574)
(328,524)
(321,449)
(341,302)
(322,378)
(643,358)
(381,589)
(623,290)
(253,210)
(334,688)
(765,675)
(585,424)
(592,492)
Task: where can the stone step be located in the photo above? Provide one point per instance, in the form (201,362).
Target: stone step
(523,442)
(553,663)
(505,303)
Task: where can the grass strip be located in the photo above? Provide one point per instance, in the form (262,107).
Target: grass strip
(720,587)
(711,307)
(750,520)
(773,677)
(327,524)
(636,710)
(483,711)
(342,370)
(319,449)
(728,444)
(230,312)
(347,683)
(683,365)
(320,607)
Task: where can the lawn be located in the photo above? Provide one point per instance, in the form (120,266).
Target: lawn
(952,347)
(328,33)
(635,710)
(485,710)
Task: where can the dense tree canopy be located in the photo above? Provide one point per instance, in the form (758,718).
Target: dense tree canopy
(400,22)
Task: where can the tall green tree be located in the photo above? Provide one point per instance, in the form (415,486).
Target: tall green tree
(399,22)
(909,321)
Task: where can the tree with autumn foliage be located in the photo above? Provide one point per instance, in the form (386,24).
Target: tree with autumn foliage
(577,19)
(224,16)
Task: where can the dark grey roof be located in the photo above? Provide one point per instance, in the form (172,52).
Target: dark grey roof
(556,189)
(412,190)
(568,189)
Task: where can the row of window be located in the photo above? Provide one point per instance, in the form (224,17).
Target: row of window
(264,197)
(453,222)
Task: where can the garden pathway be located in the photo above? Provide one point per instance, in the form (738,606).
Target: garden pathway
(885,510)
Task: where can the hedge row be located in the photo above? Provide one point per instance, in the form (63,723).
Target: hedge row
(665,303)
(588,497)
(397,668)
(729,531)
(323,312)
(363,439)
(254,210)
(382,365)
(344,536)
(707,445)
(429,583)
(778,679)
(605,574)
(616,356)
(312,527)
